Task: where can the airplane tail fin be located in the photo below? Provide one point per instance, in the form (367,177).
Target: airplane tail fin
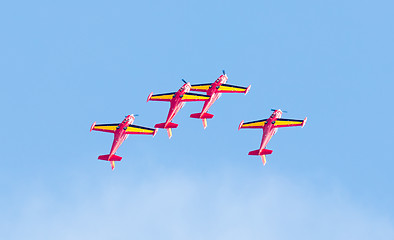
(204,123)
(107,157)
(169,133)
(169,125)
(261,153)
(110,158)
(203,116)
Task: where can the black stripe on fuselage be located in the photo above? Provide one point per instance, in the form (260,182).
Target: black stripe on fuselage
(162,94)
(228,85)
(111,124)
(288,120)
(205,84)
(262,120)
(196,94)
(146,128)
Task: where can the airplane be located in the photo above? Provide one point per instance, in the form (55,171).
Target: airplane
(214,91)
(121,131)
(270,127)
(177,101)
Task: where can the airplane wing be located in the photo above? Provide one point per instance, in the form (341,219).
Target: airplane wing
(254,124)
(201,87)
(190,97)
(227,88)
(281,122)
(104,127)
(135,129)
(161,97)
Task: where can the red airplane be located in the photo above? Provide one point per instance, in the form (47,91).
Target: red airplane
(177,101)
(214,91)
(121,131)
(270,127)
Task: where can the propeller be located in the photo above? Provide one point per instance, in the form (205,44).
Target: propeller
(183,80)
(275,110)
(224,72)
(136,115)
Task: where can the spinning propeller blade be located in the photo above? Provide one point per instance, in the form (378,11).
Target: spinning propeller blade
(183,80)
(275,110)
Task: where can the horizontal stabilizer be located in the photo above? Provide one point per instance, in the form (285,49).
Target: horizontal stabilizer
(263,152)
(113,157)
(169,125)
(201,116)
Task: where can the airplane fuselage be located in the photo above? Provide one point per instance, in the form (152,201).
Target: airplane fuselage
(120,135)
(269,130)
(176,103)
(213,93)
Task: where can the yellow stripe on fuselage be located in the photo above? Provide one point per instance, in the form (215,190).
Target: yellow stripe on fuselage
(255,124)
(164,97)
(111,128)
(194,97)
(286,123)
(231,89)
(139,130)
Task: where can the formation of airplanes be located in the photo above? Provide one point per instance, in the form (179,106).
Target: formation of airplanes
(177,100)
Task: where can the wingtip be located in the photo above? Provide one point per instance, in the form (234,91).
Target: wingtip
(304,122)
(93,125)
(150,95)
(247,89)
(154,133)
(240,125)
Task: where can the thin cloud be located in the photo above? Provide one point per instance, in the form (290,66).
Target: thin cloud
(175,206)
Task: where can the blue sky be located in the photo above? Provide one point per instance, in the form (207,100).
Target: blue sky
(66,65)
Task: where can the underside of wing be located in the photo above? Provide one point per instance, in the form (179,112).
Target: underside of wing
(105,127)
(161,97)
(227,88)
(254,124)
(135,129)
(190,97)
(200,87)
(281,122)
